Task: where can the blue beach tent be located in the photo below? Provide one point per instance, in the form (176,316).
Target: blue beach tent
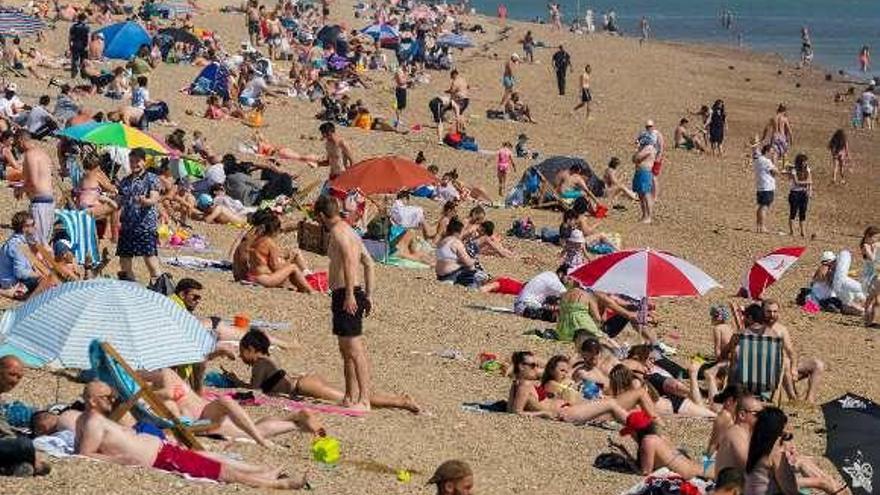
(213,80)
(122,40)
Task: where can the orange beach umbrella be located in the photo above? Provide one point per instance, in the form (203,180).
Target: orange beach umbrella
(383,175)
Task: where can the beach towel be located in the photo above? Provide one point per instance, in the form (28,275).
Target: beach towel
(283,403)
(83,232)
(197,264)
(663,481)
(493,309)
(499,406)
(58,444)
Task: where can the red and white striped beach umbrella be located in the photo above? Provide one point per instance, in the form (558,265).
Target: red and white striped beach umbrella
(768,269)
(644,273)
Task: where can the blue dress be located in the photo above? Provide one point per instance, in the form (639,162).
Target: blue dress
(138,233)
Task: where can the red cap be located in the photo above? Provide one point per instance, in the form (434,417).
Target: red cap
(636,421)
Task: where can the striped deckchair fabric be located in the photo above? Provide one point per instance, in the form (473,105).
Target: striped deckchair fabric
(759,364)
(83,232)
(137,397)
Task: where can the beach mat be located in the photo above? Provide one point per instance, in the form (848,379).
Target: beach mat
(195,263)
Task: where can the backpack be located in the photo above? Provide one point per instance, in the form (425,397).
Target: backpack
(523,228)
(164,284)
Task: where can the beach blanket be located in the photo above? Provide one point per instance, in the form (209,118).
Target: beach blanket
(493,309)
(197,264)
(286,404)
(59,444)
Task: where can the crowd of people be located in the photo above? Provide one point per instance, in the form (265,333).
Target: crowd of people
(134,194)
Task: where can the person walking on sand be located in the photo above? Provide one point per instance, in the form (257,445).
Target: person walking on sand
(139,218)
(401,84)
(528,46)
(778,133)
(508,81)
(586,94)
(555,15)
(504,164)
(800,193)
(37,174)
(765,184)
(645,29)
(562,66)
(78,44)
(350,300)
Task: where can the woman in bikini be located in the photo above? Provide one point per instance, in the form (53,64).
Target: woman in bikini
(91,195)
(268,377)
(674,396)
(265,148)
(259,259)
(654,450)
(839,147)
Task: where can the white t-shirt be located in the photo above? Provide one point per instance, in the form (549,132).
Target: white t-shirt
(538,289)
(254,89)
(215,174)
(764,180)
(869,102)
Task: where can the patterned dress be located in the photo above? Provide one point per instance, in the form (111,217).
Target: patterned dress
(138,234)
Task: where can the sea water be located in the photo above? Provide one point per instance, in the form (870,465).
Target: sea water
(838,28)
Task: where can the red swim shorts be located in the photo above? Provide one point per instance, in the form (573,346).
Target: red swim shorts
(658,164)
(177,460)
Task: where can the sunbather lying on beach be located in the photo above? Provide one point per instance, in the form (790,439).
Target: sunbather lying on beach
(259,259)
(100,438)
(675,397)
(654,450)
(271,379)
(263,147)
(527,397)
(227,416)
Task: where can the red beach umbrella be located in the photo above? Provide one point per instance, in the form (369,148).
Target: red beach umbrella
(768,269)
(644,273)
(383,175)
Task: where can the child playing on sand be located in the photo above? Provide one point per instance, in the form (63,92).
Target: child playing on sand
(574,250)
(504,163)
(268,377)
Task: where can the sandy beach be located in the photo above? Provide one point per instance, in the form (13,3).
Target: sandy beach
(705,214)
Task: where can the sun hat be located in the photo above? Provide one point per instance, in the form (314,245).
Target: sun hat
(828,256)
(450,471)
(636,421)
(577,236)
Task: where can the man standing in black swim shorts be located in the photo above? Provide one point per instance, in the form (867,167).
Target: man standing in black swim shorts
(562,66)
(350,300)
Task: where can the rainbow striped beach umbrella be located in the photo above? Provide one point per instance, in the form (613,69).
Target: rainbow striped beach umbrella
(113,134)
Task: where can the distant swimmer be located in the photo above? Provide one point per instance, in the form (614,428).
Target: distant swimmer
(865,59)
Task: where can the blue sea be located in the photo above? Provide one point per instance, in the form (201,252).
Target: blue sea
(838,28)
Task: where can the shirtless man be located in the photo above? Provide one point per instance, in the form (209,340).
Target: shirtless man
(778,133)
(810,369)
(684,138)
(459,90)
(253,22)
(273,26)
(37,172)
(586,94)
(722,336)
(230,418)
(100,438)
(401,84)
(508,81)
(733,443)
(572,180)
(339,156)
(351,300)
(643,180)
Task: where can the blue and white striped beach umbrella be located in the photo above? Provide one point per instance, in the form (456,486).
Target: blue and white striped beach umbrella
(148,329)
(14,22)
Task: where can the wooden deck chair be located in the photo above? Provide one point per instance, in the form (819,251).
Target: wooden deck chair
(545,191)
(759,365)
(138,398)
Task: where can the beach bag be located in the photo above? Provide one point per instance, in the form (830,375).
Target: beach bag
(802,296)
(468,143)
(164,284)
(453,139)
(612,461)
(522,228)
